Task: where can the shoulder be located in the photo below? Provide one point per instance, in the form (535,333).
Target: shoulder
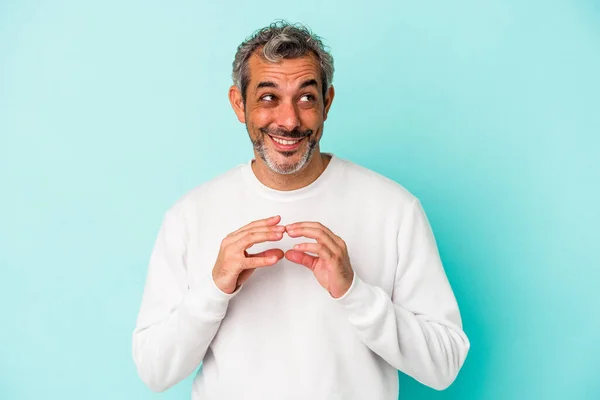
(376,187)
(209,192)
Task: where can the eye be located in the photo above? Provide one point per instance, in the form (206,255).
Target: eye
(267,97)
(307,97)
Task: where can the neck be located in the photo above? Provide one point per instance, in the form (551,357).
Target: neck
(307,175)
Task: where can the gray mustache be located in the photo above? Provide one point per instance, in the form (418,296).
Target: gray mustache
(294,134)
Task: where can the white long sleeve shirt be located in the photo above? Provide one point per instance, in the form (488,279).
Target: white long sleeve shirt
(281,335)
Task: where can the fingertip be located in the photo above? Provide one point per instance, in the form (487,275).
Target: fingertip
(291,254)
(274,220)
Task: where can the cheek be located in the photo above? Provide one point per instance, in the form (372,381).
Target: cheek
(260,117)
(312,118)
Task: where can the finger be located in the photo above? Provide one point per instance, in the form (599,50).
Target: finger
(315,225)
(258,262)
(315,248)
(251,238)
(308,224)
(274,220)
(314,233)
(267,253)
(264,229)
(301,258)
(259,227)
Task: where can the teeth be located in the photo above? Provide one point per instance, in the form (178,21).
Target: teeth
(288,142)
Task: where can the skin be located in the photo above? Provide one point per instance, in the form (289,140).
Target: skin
(287,111)
(285,100)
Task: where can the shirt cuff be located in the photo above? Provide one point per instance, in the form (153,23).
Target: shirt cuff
(348,292)
(361,300)
(207,300)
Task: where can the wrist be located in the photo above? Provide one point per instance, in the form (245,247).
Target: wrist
(223,282)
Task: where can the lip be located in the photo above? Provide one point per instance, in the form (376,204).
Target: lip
(285,147)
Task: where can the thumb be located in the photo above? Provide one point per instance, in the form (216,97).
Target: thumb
(267,253)
(301,258)
(245,274)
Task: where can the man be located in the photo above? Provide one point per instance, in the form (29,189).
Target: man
(298,275)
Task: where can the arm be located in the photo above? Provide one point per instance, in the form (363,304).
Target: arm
(419,330)
(176,323)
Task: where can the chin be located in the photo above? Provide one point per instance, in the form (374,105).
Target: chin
(285,164)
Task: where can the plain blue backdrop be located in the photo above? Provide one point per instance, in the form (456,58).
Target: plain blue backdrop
(489,112)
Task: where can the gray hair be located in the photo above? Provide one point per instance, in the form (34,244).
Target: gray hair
(278,41)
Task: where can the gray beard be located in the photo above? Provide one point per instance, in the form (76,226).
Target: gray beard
(285,169)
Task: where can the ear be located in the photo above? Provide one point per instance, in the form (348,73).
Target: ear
(237,103)
(328,101)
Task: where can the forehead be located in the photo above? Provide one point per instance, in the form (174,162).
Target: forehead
(289,71)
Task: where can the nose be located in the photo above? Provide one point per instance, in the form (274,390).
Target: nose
(287,116)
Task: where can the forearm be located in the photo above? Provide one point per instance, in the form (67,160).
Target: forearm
(169,349)
(432,351)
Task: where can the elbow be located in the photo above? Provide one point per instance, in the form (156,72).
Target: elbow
(150,373)
(440,371)
(154,383)
(152,377)
(444,376)
(439,379)
(442,379)
(443,382)
(157,387)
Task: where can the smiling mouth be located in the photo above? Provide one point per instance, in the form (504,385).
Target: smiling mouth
(286,144)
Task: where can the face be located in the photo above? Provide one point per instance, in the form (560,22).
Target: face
(284,111)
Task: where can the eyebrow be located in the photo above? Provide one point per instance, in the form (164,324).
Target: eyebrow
(264,84)
(310,82)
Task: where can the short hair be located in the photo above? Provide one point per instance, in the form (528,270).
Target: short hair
(281,40)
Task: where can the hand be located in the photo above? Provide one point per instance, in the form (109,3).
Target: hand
(332,266)
(234,265)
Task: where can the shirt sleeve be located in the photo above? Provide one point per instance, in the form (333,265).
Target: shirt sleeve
(418,329)
(176,323)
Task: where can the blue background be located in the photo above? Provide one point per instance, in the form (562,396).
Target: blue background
(489,112)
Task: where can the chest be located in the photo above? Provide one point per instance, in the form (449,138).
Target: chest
(371,244)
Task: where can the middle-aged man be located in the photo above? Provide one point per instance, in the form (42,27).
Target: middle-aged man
(297,275)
